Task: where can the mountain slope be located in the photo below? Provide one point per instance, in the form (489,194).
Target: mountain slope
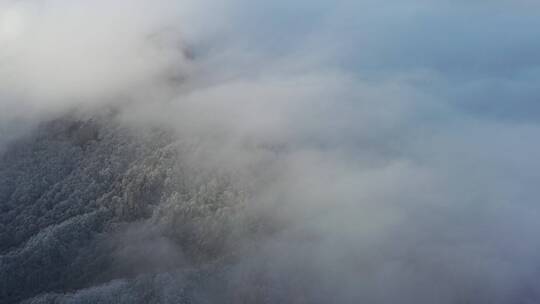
(88,200)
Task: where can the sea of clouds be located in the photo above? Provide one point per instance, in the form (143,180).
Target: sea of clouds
(397,142)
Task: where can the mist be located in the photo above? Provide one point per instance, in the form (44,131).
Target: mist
(370,152)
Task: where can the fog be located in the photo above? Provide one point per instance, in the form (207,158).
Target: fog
(390,148)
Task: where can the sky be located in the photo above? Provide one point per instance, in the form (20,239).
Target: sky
(407,130)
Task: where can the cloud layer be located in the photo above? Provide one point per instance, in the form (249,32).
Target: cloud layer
(392,144)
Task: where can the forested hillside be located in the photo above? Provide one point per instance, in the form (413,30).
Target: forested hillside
(86,200)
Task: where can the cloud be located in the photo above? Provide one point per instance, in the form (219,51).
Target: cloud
(392,145)
(67,53)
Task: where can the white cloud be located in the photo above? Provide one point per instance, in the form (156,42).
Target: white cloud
(349,125)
